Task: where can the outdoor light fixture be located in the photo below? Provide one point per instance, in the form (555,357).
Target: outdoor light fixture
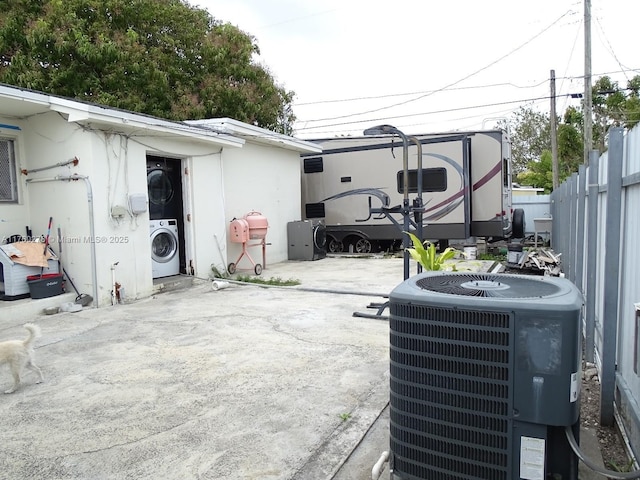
(390,130)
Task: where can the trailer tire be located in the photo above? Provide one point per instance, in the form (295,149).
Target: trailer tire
(231,268)
(335,246)
(517,223)
(362,245)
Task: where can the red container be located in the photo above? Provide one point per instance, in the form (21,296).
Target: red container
(47,285)
(258,225)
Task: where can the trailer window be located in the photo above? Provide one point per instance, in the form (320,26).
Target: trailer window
(314,210)
(313,165)
(433,180)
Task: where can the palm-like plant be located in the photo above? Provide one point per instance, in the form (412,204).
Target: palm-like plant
(428,257)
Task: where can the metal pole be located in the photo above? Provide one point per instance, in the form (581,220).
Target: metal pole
(418,205)
(588,95)
(554,133)
(405,202)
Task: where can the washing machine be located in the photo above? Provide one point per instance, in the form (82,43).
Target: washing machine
(307,239)
(165,258)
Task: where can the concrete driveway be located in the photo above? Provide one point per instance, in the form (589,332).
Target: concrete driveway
(240,383)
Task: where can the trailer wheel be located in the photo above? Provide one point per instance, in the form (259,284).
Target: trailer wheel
(362,245)
(518,223)
(258,269)
(335,246)
(231,268)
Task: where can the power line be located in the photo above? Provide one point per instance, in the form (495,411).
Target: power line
(547,97)
(609,47)
(491,64)
(391,95)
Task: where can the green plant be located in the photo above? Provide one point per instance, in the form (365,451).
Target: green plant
(428,257)
(492,256)
(345,416)
(217,273)
(271,281)
(621,468)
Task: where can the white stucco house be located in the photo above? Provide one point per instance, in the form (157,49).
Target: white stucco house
(106,176)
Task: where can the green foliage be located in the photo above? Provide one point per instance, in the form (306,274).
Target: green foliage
(539,173)
(530,133)
(157,57)
(628,467)
(275,281)
(428,257)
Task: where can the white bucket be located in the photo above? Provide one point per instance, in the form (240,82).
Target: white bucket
(514,254)
(219,285)
(470,253)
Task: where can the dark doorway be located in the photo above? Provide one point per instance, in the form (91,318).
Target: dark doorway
(164,184)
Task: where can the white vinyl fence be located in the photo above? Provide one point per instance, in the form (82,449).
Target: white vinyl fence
(596,228)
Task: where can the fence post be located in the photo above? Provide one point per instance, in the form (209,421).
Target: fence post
(571,251)
(611,274)
(592,257)
(581,241)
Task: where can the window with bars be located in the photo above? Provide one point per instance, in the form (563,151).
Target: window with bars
(8,180)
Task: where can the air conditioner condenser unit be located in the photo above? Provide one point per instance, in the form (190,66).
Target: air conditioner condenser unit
(485,376)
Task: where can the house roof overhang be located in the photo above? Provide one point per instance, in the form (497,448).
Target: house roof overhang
(254,134)
(21,103)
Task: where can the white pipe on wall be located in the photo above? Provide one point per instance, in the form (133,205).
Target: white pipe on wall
(92,233)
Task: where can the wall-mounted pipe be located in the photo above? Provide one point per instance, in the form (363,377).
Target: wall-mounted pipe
(74,160)
(92,232)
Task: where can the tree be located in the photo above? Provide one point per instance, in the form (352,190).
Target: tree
(530,133)
(570,143)
(158,57)
(539,173)
(613,107)
(531,139)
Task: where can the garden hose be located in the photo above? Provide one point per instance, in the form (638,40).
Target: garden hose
(596,468)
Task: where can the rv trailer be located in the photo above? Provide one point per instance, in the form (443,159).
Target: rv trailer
(357,185)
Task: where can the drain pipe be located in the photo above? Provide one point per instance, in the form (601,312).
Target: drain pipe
(69,178)
(376,471)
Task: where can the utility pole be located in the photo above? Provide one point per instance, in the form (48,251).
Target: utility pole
(554,133)
(588,96)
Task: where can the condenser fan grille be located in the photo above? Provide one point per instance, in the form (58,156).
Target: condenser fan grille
(450,397)
(488,285)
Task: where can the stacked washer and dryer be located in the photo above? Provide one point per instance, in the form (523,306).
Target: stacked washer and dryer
(165,207)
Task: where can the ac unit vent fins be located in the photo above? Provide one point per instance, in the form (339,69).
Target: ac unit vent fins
(488,285)
(450,400)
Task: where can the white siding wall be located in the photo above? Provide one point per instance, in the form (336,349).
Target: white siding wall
(218,185)
(266,180)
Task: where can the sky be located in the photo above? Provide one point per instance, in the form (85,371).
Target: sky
(429,67)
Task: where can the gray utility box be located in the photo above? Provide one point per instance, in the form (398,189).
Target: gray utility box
(307,240)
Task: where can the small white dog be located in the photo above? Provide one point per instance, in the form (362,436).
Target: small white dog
(19,354)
